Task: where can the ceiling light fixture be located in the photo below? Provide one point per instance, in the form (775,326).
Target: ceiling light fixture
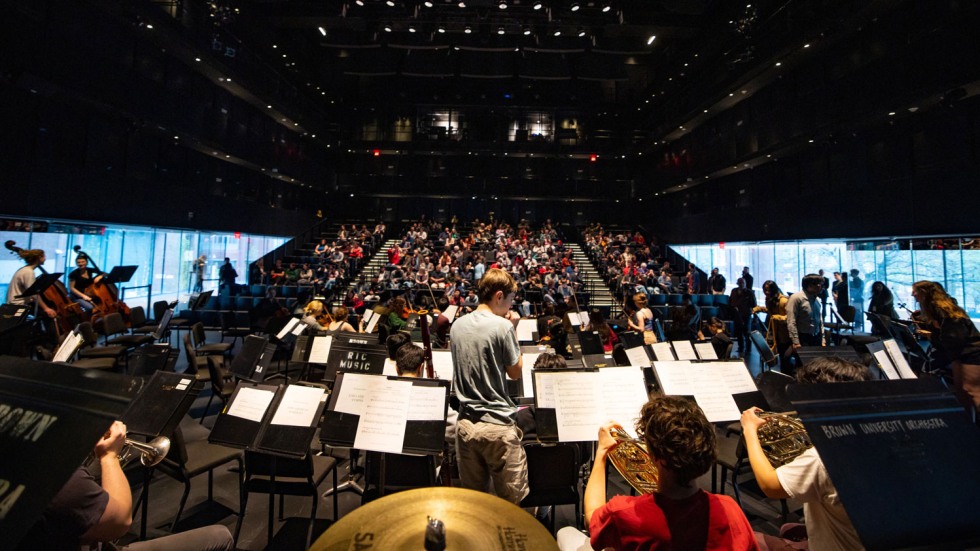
(359,2)
(502,5)
(527,31)
(575,6)
(411,28)
(500,30)
(387,27)
(467,29)
(651,39)
(461,4)
(538,5)
(390,3)
(606,7)
(581,32)
(427,4)
(323,32)
(441,29)
(557,32)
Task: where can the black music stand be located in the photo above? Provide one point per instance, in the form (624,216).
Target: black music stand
(73,409)
(121,274)
(40,285)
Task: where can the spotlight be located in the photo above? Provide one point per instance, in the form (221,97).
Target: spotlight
(359,2)
(390,3)
(411,28)
(581,32)
(557,32)
(427,4)
(538,5)
(527,31)
(575,6)
(502,5)
(461,4)
(651,39)
(323,32)
(606,8)
(467,29)
(500,30)
(387,27)
(441,29)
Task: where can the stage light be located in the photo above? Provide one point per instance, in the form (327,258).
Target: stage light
(359,2)
(538,5)
(390,3)
(527,31)
(427,4)
(581,32)
(575,6)
(593,157)
(557,32)
(441,29)
(467,29)
(411,28)
(502,5)
(500,30)
(461,4)
(651,39)
(606,7)
(377,153)
(387,27)
(323,31)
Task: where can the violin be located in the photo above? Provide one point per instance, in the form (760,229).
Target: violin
(68,314)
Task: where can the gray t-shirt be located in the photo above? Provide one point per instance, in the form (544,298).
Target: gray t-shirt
(483,346)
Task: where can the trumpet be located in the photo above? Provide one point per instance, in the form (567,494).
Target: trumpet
(150,453)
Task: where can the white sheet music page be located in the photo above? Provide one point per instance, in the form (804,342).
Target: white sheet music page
(638,356)
(734,374)
(583,318)
(886,364)
(450,313)
(623,395)
(298,406)
(677,378)
(898,359)
(68,347)
(577,394)
(251,403)
(526,329)
(298,330)
(320,350)
(663,352)
(545,381)
(290,325)
(705,351)
(684,350)
(527,383)
(427,403)
(382,426)
(373,322)
(442,364)
(718,406)
(390,369)
(356,388)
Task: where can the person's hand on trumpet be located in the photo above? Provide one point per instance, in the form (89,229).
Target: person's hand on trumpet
(112,442)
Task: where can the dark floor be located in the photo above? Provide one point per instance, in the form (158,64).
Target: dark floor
(165,495)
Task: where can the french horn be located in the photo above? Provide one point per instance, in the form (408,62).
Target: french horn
(782,437)
(630,458)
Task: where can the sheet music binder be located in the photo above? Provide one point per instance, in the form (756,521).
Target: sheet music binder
(421,437)
(904,442)
(160,405)
(69,409)
(743,400)
(283,440)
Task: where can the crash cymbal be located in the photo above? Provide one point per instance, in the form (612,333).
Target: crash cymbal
(473,521)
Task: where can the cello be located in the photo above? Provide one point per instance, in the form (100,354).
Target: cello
(105,295)
(68,313)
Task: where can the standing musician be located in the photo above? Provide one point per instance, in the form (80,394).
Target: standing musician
(24,278)
(80,279)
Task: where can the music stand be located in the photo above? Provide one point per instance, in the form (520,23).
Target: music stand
(40,285)
(121,274)
(200,301)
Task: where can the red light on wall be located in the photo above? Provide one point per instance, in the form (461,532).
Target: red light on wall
(721,245)
(593,157)
(238,235)
(377,152)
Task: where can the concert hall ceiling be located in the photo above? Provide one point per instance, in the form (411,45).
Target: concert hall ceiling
(699,108)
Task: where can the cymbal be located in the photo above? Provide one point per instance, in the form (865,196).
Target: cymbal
(473,521)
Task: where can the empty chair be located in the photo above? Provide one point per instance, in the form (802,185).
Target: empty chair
(292,477)
(113,325)
(552,475)
(658,299)
(201,347)
(187,460)
(91,349)
(675,299)
(138,324)
(720,300)
(243,303)
(769,360)
(221,383)
(230,327)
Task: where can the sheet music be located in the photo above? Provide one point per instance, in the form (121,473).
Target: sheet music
(390,369)
(718,406)
(298,330)
(886,365)
(705,351)
(583,318)
(734,374)
(623,395)
(382,426)
(320,349)
(663,352)
(545,381)
(527,381)
(298,406)
(898,359)
(288,328)
(251,403)
(373,322)
(684,350)
(427,403)
(450,313)
(577,395)
(574,320)
(638,356)
(677,378)
(356,388)
(68,347)
(442,364)
(526,329)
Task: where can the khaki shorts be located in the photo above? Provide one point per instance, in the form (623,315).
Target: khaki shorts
(488,452)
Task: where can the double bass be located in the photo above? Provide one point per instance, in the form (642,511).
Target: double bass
(68,313)
(105,295)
